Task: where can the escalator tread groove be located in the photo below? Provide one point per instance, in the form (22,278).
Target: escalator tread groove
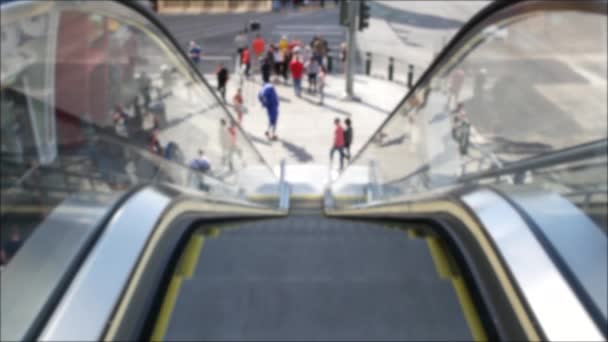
(313,278)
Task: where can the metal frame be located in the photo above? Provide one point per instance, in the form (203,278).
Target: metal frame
(106,279)
(555,311)
(555,305)
(29,297)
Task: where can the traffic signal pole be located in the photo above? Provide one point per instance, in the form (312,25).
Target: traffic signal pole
(350,52)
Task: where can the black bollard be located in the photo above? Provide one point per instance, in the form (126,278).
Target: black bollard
(391,68)
(330,63)
(410,76)
(368,63)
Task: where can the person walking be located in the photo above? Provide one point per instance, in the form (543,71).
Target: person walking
(317,50)
(297,69)
(245,61)
(278,62)
(195,52)
(222,79)
(283,44)
(287,57)
(267,64)
(338,143)
(270,100)
(237,101)
(348,138)
(201,164)
(240,41)
(259,47)
(312,69)
(343,56)
(224,141)
(321,84)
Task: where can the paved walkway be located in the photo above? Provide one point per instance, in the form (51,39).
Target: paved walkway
(305,128)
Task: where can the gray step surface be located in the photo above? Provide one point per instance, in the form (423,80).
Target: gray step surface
(313,278)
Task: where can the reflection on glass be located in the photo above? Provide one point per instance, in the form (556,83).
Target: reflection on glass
(523,88)
(96,99)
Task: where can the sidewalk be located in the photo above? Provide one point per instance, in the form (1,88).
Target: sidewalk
(305,128)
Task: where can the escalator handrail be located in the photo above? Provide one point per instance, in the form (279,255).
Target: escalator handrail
(567,155)
(470,28)
(74,318)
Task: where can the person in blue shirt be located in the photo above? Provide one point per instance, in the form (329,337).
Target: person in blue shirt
(270,100)
(195,52)
(200,163)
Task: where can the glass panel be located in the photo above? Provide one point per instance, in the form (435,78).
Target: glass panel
(524,88)
(97,99)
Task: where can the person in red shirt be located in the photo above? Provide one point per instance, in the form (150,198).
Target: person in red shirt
(297,69)
(338,143)
(259,47)
(237,101)
(245,60)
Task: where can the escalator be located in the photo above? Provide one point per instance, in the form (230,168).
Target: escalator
(116,236)
(313,278)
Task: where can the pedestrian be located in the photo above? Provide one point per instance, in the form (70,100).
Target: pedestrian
(224,140)
(312,69)
(285,68)
(270,100)
(324,50)
(306,54)
(195,52)
(232,133)
(283,44)
(321,84)
(240,41)
(338,143)
(293,44)
(245,61)
(267,64)
(343,56)
(297,69)
(237,101)
(259,47)
(278,62)
(348,138)
(456,82)
(222,79)
(200,163)
(318,50)
(154,145)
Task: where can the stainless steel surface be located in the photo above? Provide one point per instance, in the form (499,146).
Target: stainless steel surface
(38,271)
(552,301)
(581,245)
(88,304)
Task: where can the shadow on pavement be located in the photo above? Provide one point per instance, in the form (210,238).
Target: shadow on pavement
(325,105)
(298,152)
(258,140)
(376,108)
(284,99)
(395,141)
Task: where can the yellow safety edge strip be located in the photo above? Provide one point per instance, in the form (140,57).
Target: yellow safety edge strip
(166,309)
(184,270)
(162,226)
(447,270)
(455,210)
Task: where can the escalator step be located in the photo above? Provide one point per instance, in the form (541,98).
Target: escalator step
(313,278)
(220,309)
